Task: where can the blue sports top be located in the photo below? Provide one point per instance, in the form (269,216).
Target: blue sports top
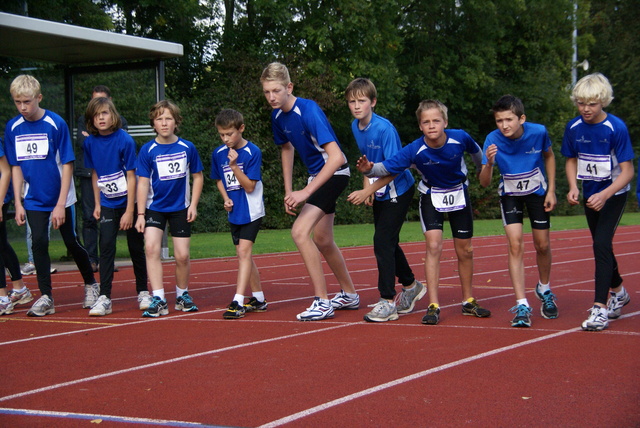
(307,128)
(520,156)
(247,207)
(607,141)
(40,148)
(379,140)
(111,156)
(443,167)
(168,166)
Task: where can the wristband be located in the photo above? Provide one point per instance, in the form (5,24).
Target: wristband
(140,213)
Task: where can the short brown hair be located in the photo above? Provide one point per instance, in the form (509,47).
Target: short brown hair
(94,107)
(361,86)
(158,108)
(229,118)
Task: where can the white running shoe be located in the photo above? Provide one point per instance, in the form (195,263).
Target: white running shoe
(144,300)
(615,304)
(101,308)
(597,320)
(407,299)
(91,294)
(43,306)
(382,311)
(319,310)
(343,301)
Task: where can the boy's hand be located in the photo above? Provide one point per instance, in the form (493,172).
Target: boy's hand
(228,205)
(492,151)
(573,197)
(550,201)
(140,224)
(232,156)
(126,221)
(360,196)
(292,200)
(192,214)
(596,201)
(21,216)
(96,212)
(58,216)
(363,165)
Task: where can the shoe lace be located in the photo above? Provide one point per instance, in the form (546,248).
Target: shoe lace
(155,303)
(186,298)
(520,310)
(548,300)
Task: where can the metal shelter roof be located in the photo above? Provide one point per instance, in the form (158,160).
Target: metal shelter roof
(41,40)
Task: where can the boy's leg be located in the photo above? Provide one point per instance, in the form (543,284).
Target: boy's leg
(135,243)
(89,223)
(39,223)
(516,258)
(109,225)
(541,241)
(246,267)
(464,251)
(183,261)
(301,230)
(325,243)
(7,254)
(79,254)
(433,240)
(152,243)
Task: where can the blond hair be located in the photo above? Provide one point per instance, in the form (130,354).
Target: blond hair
(593,88)
(429,104)
(25,85)
(276,72)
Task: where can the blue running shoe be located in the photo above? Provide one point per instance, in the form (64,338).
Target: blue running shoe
(184,303)
(523,316)
(156,308)
(549,309)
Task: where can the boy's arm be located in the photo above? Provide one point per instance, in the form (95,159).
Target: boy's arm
(597,200)
(550,200)
(368,189)
(58,214)
(247,184)
(127,219)
(571,169)
(96,195)
(334,161)
(486,173)
(228,203)
(18,183)
(5,179)
(192,211)
(287,153)
(142,191)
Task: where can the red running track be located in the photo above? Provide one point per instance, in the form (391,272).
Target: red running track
(268,369)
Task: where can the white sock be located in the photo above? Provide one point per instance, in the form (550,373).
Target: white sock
(180,291)
(522,302)
(259,295)
(621,292)
(542,288)
(352,295)
(159,293)
(239,298)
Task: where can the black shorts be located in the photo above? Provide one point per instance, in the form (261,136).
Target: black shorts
(178,225)
(512,210)
(247,231)
(326,196)
(461,221)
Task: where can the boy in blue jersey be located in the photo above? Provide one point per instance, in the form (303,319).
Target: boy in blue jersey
(599,153)
(164,196)
(39,150)
(439,158)
(235,165)
(8,258)
(390,198)
(110,154)
(523,153)
(299,124)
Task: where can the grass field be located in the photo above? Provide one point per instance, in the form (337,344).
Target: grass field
(207,245)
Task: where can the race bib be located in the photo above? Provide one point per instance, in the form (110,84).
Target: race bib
(230,179)
(524,183)
(594,167)
(445,200)
(172,167)
(32,147)
(381,191)
(113,185)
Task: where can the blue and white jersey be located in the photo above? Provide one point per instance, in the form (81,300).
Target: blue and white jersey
(379,140)
(111,156)
(599,148)
(40,148)
(443,167)
(520,160)
(247,207)
(168,166)
(307,128)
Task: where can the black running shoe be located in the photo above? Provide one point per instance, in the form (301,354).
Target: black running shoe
(255,305)
(432,316)
(234,311)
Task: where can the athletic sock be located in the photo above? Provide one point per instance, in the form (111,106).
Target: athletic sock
(543,288)
(239,298)
(259,295)
(180,291)
(621,292)
(159,293)
(522,302)
(352,295)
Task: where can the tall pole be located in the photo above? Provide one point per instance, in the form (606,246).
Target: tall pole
(574,40)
